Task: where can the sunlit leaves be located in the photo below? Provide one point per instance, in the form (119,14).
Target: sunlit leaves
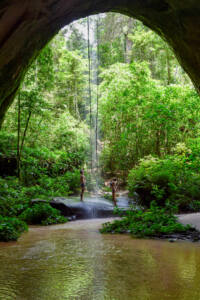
(140,116)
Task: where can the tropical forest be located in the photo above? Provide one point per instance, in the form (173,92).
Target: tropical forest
(100,168)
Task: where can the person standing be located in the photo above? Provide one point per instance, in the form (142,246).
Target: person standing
(83,182)
(113,185)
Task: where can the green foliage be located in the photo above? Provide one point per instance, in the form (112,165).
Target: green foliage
(141,113)
(108,197)
(51,99)
(13,197)
(7,143)
(152,222)
(38,162)
(51,173)
(76,41)
(173,179)
(42,168)
(114,43)
(139,116)
(70,79)
(70,135)
(11,228)
(149,46)
(43,214)
(68,183)
(44,174)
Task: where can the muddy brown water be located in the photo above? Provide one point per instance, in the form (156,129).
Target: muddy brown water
(75,261)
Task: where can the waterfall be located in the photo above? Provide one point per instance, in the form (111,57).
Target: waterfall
(93,92)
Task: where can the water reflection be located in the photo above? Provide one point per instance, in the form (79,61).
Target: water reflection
(74,261)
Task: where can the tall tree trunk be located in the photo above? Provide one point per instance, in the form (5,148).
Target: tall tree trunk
(169,75)
(158,133)
(18,135)
(25,131)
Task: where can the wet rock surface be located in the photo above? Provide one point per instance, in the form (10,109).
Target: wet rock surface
(94,207)
(192,235)
(84,210)
(97,207)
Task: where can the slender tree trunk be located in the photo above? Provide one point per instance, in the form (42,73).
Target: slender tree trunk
(129,43)
(158,142)
(125,47)
(18,135)
(25,131)
(169,75)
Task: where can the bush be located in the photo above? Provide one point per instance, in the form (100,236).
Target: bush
(37,163)
(153,222)
(42,213)
(13,197)
(171,179)
(63,185)
(151,180)
(108,197)
(11,228)
(7,143)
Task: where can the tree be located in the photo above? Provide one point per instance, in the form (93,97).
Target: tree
(140,116)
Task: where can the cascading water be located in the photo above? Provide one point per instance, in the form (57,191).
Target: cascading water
(94,205)
(93,91)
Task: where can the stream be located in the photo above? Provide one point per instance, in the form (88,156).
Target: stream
(74,261)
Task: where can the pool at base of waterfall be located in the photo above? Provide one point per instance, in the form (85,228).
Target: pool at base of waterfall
(75,261)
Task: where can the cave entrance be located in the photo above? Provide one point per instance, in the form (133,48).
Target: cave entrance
(27,26)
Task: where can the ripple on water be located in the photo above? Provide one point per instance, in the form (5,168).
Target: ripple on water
(74,261)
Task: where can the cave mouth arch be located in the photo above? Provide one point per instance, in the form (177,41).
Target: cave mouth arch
(26,27)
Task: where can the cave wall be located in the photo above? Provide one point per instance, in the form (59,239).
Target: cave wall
(27,25)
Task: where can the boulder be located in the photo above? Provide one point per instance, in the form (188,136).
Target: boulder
(79,210)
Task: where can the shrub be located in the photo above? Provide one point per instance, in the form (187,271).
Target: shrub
(42,213)
(13,197)
(171,179)
(152,222)
(37,163)
(7,143)
(108,197)
(151,180)
(11,228)
(63,185)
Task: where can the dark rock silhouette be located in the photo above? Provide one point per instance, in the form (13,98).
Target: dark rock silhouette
(8,166)
(94,208)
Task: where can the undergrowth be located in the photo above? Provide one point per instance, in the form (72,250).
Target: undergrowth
(152,222)
(42,213)
(11,228)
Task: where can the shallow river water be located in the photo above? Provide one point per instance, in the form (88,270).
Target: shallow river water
(75,261)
